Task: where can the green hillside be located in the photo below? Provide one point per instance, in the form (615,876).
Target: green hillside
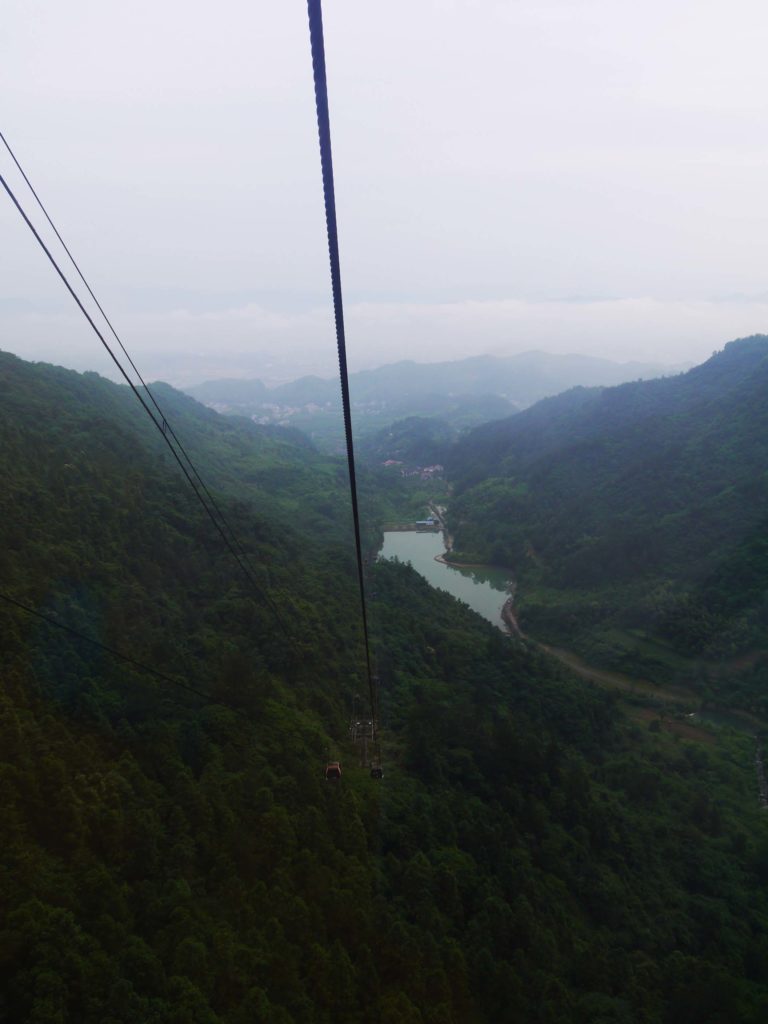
(416,441)
(640,507)
(533,853)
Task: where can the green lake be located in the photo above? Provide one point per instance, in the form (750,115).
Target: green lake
(484,589)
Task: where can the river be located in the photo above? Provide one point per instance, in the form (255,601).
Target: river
(484,589)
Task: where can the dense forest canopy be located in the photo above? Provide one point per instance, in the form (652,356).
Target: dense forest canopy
(534,852)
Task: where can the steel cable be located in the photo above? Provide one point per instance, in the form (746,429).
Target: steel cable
(314,9)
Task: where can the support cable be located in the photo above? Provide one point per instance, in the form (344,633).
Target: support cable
(160,424)
(315,13)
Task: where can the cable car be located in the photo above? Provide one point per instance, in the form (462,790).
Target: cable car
(333,771)
(377,772)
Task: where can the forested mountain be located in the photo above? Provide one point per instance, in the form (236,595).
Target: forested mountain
(417,440)
(463,393)
(636,507)
(173,855)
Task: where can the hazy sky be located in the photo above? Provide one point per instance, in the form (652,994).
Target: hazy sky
(570,175)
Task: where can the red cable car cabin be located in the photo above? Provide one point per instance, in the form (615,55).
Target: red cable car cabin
(333,771)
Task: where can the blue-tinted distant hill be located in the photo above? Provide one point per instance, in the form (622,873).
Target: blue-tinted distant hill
(463,393)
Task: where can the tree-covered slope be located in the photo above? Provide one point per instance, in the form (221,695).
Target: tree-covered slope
(416,441)
(275,470)
(176,857)
(650,492)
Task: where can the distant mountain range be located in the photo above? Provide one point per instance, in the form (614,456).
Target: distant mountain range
(464,393)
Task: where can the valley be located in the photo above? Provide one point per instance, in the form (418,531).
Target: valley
(394,652)
(633,595)
(537,849)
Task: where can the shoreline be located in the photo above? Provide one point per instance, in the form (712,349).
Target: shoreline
(466,565)
(508,616)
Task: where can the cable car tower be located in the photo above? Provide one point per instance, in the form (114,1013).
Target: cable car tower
(361,730)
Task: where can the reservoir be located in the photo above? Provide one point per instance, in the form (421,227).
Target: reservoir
(484,589)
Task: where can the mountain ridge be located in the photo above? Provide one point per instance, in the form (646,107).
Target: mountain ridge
(474,374)
(653,487)
(455,391)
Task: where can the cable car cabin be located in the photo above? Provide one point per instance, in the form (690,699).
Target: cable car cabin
(333,771)
(377,772)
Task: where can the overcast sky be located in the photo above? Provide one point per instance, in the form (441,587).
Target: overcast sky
(569,175)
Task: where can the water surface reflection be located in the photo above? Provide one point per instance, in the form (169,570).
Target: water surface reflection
(484,589)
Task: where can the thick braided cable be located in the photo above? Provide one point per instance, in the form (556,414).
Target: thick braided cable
(326,160)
